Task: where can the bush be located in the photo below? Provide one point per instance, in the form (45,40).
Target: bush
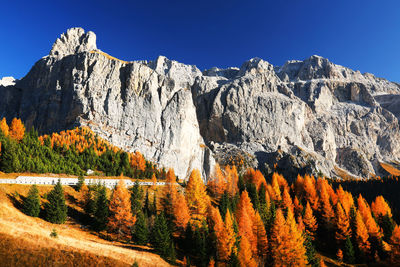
(54,233)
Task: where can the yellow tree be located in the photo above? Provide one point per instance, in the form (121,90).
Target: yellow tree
(299,257)
(121,219)
(285,246)
(230,233)
(276,191)
(17,129)
(196,197)
(4,127)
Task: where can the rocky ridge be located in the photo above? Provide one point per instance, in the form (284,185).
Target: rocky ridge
(312,114)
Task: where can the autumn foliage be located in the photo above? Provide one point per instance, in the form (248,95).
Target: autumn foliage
(121,219)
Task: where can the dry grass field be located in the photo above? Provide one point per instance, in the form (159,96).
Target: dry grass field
(26,241)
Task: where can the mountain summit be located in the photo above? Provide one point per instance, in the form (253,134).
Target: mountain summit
(310,116)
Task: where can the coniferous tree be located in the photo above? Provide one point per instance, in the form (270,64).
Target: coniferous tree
(120,219)
(348,251)
(196,197)
(140,232)
(311,253)
(4,127)
(56,209)
(136,198)
(101,210)
(32,202)
(161,237)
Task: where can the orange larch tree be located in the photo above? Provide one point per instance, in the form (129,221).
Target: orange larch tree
(343,230)
(395,243)
(261,235)
(276,191)
(362,234)
(196,197)
(287,200)
(380,207)
(369,221)
(298,208)
(345,198)
(310,192)
(325,206)
(180,212)
(232,179)
(299,257)
(230,233)
(224,241)
(245,253)
(282,247)
(217,182)
(310,222)
(137,161)
(4,127)
(17,129)
(255,177)
(121,219)
(245,216)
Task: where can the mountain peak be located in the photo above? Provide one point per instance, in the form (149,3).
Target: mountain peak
(75,40)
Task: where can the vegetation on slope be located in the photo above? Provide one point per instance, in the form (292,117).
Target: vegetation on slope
(26,241)
(70,152)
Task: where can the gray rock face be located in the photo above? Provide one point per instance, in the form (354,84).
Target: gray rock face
(318,115)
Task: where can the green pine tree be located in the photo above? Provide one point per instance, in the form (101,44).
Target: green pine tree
(101,209)
(140,232)
(136,198)
(56,209)
(312,258)
(32,202)
(387,224)
(348,251)
(161,236)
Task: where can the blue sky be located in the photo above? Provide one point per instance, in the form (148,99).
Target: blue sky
(362,35)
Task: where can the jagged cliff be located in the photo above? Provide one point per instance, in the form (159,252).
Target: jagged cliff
(309,115)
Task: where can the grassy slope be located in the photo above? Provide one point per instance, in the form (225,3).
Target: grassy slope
(26,241)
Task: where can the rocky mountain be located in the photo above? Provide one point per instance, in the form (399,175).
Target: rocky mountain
(305,116)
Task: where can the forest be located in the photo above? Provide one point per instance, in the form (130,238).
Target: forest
(69,152)
(235,219)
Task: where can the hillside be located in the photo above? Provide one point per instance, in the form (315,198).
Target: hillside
(26,241)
